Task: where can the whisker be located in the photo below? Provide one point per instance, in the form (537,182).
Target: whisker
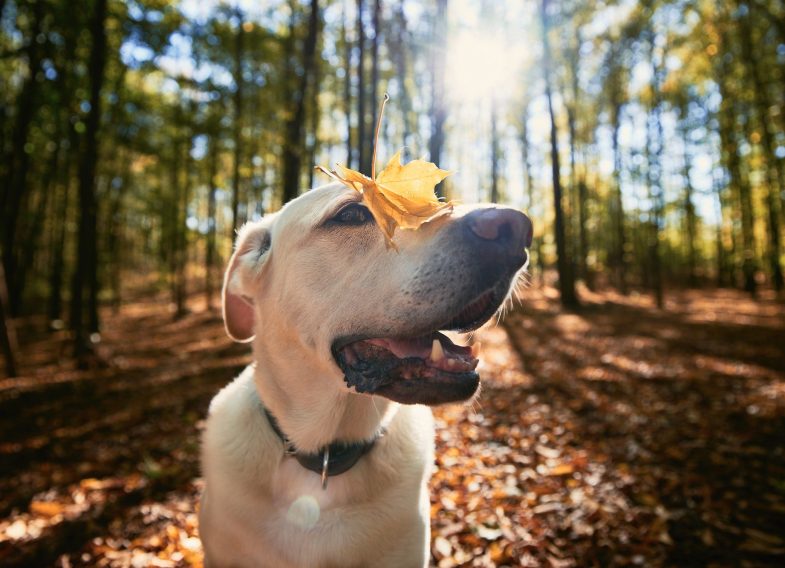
(376,408)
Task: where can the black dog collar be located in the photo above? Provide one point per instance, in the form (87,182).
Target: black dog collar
(331,460)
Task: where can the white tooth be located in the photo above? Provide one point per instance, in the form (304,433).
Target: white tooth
(475,349)
(451,363)
(437,353)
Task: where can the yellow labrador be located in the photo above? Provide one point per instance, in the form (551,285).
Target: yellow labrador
(319,453)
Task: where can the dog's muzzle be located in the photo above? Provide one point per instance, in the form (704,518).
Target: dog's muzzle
(428,368)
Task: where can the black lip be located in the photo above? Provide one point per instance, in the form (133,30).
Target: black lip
(443,388)
(389,379)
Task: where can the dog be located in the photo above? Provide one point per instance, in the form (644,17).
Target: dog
(319,453)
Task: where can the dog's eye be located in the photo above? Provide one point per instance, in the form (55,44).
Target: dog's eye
(353,214)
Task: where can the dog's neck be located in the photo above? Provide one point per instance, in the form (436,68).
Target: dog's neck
(312,407)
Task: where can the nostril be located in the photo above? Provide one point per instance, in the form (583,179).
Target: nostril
(507,228)
(486,224)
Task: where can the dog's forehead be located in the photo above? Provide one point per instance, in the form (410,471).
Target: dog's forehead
(310,208)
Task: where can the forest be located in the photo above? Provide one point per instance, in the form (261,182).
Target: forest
(633,411)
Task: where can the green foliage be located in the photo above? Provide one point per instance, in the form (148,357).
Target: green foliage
(198,101)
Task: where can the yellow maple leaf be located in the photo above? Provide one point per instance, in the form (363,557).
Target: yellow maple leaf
(401,195)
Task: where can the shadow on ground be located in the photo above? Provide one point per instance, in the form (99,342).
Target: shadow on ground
(616,435)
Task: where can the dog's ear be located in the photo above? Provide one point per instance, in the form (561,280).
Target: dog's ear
(253,243)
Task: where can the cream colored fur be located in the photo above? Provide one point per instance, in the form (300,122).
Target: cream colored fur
(262,509)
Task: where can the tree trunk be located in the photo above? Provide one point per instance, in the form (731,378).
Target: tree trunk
(529,188)
(211,228)
(19,160)
(295,124)
(578,185)
(583,199)
(723,277)
(86,275)
(689,207)
(654,147)
(239,54)
(181,231)
(314,117)
(773,175)
(402,73)
(374,98)
(438,105)
(57,271)
(347,89)
(171,223)
(59,233)
(494,197)
(114,245)
(361,118)
(618,255)
(7,331)
(732,159)
(566,281)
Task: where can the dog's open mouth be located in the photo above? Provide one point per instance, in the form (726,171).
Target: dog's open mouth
(423,369)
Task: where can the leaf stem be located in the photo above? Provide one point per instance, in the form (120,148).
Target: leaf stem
(376,135)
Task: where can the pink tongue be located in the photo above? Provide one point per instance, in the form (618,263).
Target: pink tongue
(421,346)
(453,358)
(402,348)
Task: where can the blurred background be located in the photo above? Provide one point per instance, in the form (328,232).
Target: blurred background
(642,378)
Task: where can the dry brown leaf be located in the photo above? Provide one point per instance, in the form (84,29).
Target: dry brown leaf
(401,196)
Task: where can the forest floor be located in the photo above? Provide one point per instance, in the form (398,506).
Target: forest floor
(613,436)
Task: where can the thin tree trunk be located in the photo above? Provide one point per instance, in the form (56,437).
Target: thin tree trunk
(577,185)
(438,105)
(57,272)
(719,208)
(239,54)
(7,331)
(529,187)
(774,180)
(583,199)
(620,241)
(292,152)
(32,236)
(87,269)
(19,161)
(181,231)
(347,88)
(494,154)
(689,206)
(314,117)
(732,159)
(401,67)
(654,174)
(374,96)
(361,118)
(566,282)
(211,228)
(115,237)
(59,233)
(173,219)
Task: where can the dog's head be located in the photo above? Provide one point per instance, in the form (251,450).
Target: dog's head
(317,280)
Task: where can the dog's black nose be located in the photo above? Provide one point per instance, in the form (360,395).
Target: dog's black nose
(509,228)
